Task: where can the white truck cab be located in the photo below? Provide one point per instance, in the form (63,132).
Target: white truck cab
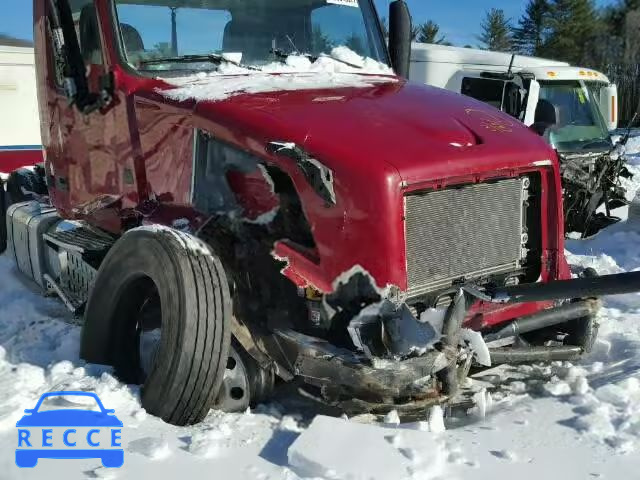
(20,143)
(581,96)
(574,108)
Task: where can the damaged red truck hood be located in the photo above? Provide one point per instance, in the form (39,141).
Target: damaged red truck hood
(381,142)
(415,128)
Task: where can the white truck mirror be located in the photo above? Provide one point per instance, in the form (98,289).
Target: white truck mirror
(532,103)
(609,105)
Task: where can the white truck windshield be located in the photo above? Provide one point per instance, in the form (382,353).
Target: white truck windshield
(579,123)
(179,35)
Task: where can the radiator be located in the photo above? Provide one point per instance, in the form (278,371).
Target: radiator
(466,232)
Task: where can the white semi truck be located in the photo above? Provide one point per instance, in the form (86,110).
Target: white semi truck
(20,144)
(574,108)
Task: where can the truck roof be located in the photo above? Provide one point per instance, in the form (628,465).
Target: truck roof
(427,52)
(476,59)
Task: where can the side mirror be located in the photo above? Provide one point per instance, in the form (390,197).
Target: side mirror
(539,128)
(546,112)
(609,105)
(512,103)
(29,410)
(545,118)
(400,37)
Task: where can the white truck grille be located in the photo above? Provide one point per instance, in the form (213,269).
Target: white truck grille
(465,232)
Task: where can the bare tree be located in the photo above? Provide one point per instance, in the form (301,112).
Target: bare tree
(632,37)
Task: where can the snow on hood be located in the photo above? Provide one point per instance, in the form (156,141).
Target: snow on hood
(342,68)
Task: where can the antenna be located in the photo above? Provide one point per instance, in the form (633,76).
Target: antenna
(513,59)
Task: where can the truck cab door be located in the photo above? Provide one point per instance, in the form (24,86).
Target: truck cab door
(83,169)
(609,105)
(533,96)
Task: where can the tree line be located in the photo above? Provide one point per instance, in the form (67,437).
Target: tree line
(574,31)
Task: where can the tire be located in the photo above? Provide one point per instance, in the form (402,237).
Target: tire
(23,183)
(193,294)
(3,218)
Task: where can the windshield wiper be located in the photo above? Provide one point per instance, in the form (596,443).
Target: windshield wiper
(595,143)
(215,58)
(282,55)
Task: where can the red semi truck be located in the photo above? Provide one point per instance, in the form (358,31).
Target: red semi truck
(241,193)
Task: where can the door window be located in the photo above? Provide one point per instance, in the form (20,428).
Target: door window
(484,89)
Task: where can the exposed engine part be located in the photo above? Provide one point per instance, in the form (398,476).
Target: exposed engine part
(256,344)
(451,341)
(319,176)
(591,180)
(535,354)
(343,374)
(546,318)
(616,284)
(404,335)
(212,159)
(382,329)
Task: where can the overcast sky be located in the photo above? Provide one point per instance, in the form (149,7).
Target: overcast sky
(459,19)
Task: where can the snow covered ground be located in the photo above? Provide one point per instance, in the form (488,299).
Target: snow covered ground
(564,421)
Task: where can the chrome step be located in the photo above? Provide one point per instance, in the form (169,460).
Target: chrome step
(81,240)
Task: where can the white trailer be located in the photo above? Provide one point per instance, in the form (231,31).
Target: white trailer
(20,143)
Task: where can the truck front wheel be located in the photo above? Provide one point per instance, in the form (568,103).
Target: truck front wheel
(166,283)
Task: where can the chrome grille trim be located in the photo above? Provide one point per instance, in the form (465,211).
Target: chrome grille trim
(466,232)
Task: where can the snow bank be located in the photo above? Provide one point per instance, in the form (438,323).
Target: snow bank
(333,448)
(633,146)
(297,73)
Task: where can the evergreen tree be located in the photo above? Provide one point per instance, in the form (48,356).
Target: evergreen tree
(415,31)
(354,42)
(574,27)
(320,41)
(384,23)
(429,32)
(530,34)
(620,32)
(496,31)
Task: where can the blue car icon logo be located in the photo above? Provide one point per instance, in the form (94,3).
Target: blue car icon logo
(69,433)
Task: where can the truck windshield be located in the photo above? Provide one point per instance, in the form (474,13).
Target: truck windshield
(579,123)
(197,35)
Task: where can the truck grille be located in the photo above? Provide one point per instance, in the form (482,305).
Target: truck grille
(466,232)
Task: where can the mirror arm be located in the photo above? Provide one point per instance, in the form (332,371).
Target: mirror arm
(400,37)
(69,60)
